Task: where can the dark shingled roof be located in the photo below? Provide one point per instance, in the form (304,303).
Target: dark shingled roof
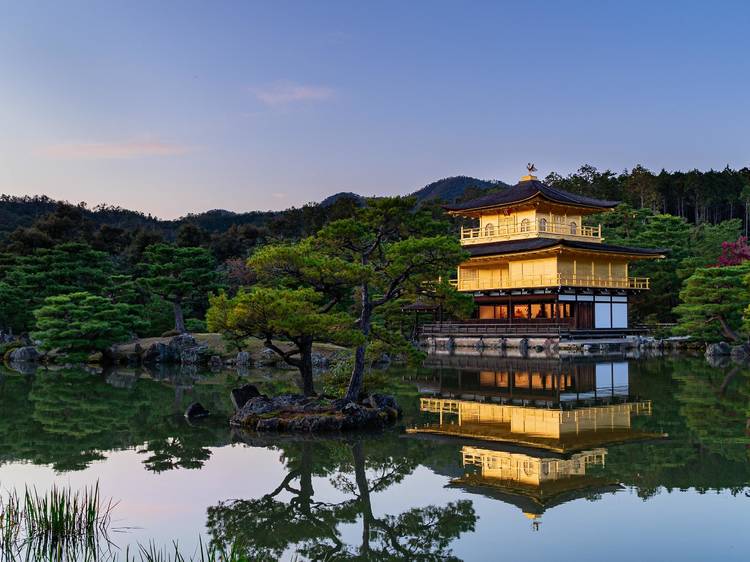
(531,244)
(524,190)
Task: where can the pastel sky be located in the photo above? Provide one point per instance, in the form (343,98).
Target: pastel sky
(174,107)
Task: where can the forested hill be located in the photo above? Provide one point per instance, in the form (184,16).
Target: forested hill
(21,212)
(699,197)
(451,189)
(447,190)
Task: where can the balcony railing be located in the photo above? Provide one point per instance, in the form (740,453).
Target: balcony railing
(494,233)
(555,280)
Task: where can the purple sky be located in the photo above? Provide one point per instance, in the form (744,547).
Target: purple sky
(176,107)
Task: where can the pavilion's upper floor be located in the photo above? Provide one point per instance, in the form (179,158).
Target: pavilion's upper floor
(530,209)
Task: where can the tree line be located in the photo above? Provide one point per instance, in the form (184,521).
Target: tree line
(698,196)
(80,289)
(338,274)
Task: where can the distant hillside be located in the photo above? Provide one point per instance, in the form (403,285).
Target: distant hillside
(18,212)
(446,189)
(451,189)
(331,199)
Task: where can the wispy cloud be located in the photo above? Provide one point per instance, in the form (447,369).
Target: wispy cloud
(284,94)
(113,150)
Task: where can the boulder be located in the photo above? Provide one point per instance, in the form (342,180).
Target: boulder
(25,354)
(195,411)
(243,359)
(739,352)
(157,353)
(180,349)
(718,349)
(241,395)
(268,358)
(215,362)
(382,401)
(24,367)
(320,361)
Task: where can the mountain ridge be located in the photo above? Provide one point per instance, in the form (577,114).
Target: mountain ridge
(22,211)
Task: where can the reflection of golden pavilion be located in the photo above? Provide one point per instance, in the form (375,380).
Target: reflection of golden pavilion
(528,470)
(545,423)
(543,428)
(541,381)
(533,483)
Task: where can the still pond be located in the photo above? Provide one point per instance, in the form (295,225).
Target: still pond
(541,459)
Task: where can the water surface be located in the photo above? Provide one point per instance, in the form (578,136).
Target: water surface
(644,459)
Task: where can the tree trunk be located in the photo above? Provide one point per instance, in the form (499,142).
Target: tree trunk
(363,491)
(303,364)
(305,367)
(358,372)
(727,330)
(306,491)
(179,319)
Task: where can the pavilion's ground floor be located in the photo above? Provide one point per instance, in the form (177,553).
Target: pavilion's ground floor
(576,309)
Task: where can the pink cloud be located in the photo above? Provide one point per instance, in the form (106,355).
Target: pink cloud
(283,94)
(113,150)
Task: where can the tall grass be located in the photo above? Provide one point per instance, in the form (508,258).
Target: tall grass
(152,553)
(57,525)
(62,525)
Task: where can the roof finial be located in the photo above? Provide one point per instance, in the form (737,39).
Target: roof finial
(531,168)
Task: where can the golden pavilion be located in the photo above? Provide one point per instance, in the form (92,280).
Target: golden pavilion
(533,259)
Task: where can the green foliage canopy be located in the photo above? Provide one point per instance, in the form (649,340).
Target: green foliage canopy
(180,276)
(712,303)
(78,323)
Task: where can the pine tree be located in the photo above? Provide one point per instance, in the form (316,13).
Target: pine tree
(713,302)
(78,324)
(179,276)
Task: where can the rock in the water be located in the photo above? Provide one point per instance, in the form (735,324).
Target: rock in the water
(180,349)
(382,401)
(243,359)
(215,362)
(241,395)
(718,349)
(25,354)
(268,358)
(195,411)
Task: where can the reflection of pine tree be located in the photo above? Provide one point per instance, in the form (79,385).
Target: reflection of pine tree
(707,442)
(266,527)
(68,418)
(716,407)
(74,404)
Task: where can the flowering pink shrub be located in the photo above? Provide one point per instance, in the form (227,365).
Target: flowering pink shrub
(734,253)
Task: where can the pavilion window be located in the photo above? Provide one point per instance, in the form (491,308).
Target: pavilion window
(521,311)
(501,312)
(573,227)
(486,312)
(563,310)
(543,310)
(489,230)
(543,225)
(525,225)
